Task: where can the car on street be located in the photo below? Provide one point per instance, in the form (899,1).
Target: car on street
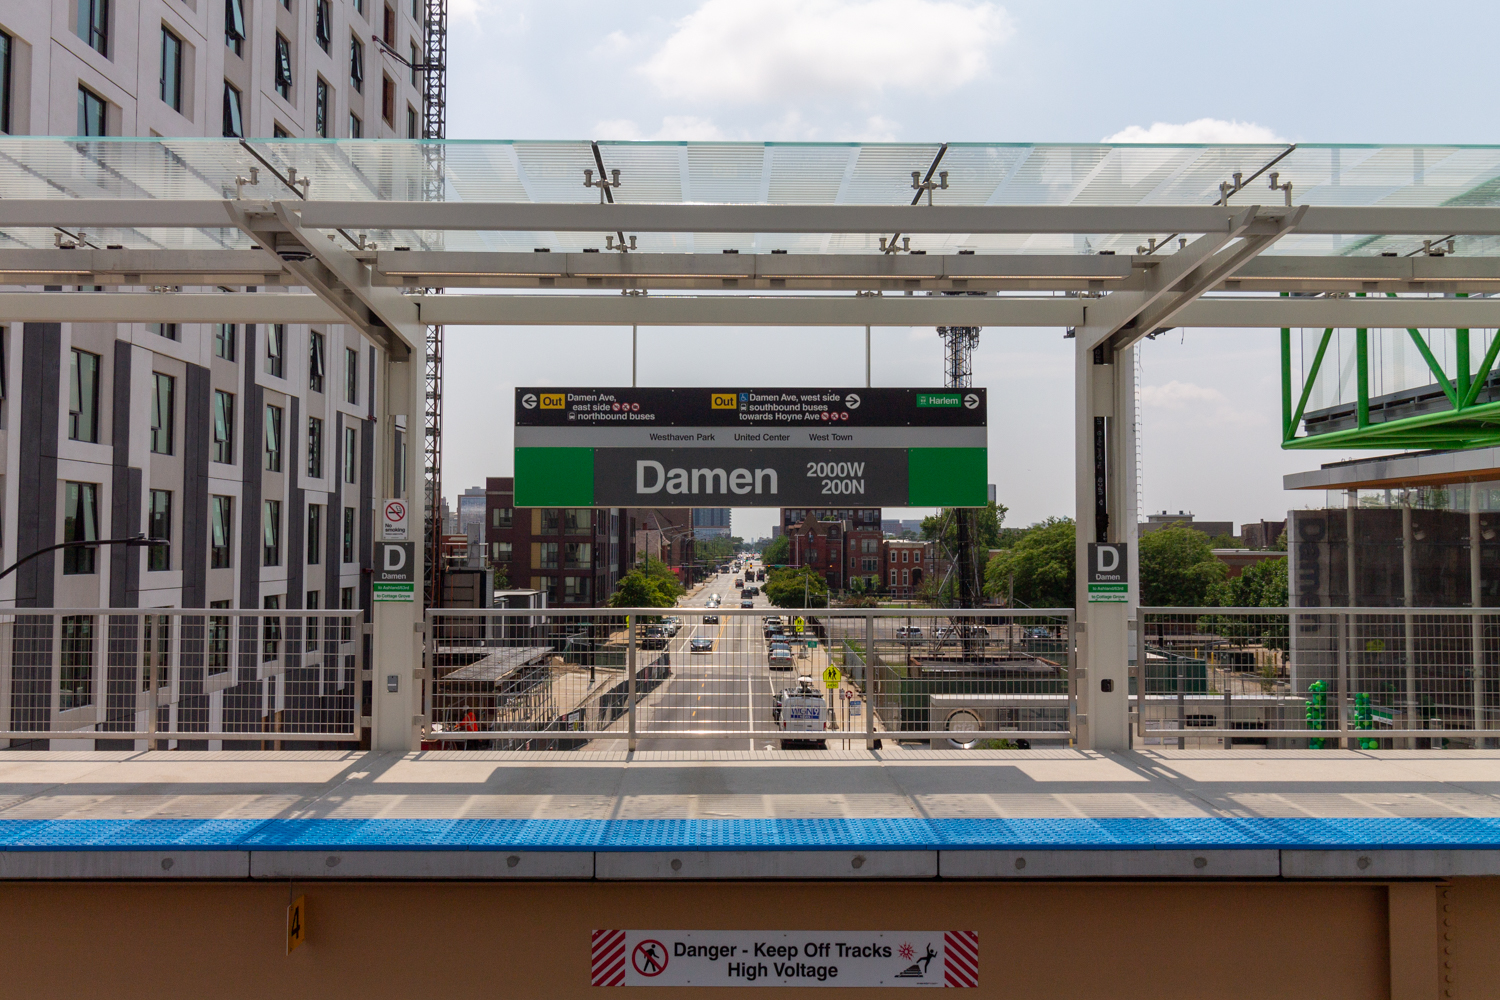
(747,603)
(909,632)
(737,583)
(1037,632)
(780,657)
(655,638)
(710,619)
(701,645)
(672,625)
(802,713)
(775,635)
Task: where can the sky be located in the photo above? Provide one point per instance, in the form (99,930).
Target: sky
(954,70)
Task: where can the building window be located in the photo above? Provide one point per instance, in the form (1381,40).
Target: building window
(221,525)
(502,517)
(389,26)
(271,527)
(548,556)
(351,375)
(577,520)
(169,330)
(324,26)
(314,535)
(311,604)
(163,407)
(283,66)
(315,447)
(351,465)
(7,53)
(276,350)
(80,524)
(234,25)
(224,341)
(315,353)
(551,520)
(578,555)
(356,127)
(223,427)
(905,577)
(500,552)
(171,70)
(83,397)
(277,132)
(346,599)
(388,100)
(76,679)
(411,123)
(93,24)
(576,589)
(416,60)
(356,64)
(91,113)
(324,112)
(348,534)
(234,122)
(273,439)
(159,526)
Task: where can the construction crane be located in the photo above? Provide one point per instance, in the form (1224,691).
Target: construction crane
(958,347)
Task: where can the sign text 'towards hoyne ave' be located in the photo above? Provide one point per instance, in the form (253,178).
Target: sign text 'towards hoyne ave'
(751,447)
(785,958)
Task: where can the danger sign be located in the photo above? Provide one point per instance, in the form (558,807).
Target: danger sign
(393,521)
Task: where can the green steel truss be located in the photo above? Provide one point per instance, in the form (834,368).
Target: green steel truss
(1468,424)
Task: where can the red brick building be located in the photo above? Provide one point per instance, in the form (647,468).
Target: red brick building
(906,564)
(572,554)
(841,544)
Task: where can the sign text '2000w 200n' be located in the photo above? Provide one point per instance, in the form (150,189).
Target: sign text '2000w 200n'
(750,447)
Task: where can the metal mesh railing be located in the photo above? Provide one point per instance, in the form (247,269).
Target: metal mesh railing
(181,676)
(1296,677)
(709,677)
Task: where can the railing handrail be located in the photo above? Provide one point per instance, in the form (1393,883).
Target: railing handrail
(760,612)
(1397,610)
(199,612)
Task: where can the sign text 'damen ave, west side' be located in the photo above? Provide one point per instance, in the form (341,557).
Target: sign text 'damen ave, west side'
(750,447)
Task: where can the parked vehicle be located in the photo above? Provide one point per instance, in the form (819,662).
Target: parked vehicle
(655,638)
(908,632)
(780,657)
(803,712)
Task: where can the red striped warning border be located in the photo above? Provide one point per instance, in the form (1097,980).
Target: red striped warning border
(609,958)
(960,958)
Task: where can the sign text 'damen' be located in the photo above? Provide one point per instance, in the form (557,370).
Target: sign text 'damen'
(750,447)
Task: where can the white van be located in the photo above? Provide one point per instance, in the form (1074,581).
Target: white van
(803,711)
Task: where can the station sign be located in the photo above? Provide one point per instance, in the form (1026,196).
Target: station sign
(1109,573)
(709,447)
(395,572)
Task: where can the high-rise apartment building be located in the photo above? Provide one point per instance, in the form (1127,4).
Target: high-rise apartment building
(712,522)
(248,449)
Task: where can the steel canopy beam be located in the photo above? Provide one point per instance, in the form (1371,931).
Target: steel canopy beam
(164,307)
(151,213)
(737,310)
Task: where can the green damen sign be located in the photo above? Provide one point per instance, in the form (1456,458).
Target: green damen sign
(1109,573)
(395,577)
(634,447)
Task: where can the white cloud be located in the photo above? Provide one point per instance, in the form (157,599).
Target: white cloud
(673,127)
(1214,130)
(730,50)
(1205,403)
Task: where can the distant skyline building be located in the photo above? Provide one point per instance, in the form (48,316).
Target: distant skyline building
(712,522)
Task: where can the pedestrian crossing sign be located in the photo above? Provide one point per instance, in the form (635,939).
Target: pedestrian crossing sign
(798,622)
(831,677)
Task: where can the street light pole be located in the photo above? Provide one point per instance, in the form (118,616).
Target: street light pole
(134,541)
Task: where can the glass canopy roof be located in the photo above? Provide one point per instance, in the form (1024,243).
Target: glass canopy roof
(765,173)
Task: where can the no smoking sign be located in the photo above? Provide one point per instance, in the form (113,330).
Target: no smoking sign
(393,521)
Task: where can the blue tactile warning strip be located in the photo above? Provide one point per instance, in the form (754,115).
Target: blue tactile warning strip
(1446,833)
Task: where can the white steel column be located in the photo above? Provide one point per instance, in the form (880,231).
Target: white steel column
(1104,390)
(396,643)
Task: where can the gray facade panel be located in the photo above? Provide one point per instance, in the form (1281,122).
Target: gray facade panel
(36,513)
(125,492)
(198,400)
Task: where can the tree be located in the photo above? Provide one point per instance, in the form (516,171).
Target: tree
(986,533)
(1177,568)
(1263,585)
(665,579)
(796,588)
(1042,563)
(638,589)
(778,552)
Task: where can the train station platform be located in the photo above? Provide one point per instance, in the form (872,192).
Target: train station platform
(1151,874)
(892,813)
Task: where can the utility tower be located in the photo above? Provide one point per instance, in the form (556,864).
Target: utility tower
(958,349)
(434,126)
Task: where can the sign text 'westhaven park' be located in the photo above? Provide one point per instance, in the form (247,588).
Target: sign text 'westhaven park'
(751,447)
